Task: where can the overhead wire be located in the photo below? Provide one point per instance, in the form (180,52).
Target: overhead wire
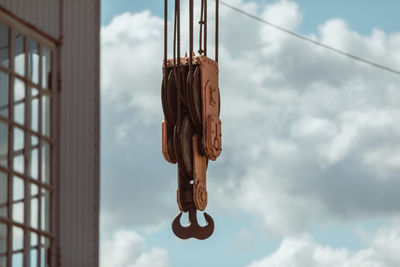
(304,38)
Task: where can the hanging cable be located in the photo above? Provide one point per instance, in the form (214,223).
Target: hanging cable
(205,27)
(216,29)
(175,29)
(191,39)
(165,32)
(201,23)
(179,30)
(165,40)
(304,38)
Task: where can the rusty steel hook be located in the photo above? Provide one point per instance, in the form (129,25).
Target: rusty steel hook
(193,229)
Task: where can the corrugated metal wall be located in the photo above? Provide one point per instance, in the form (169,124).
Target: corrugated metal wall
(43,14)
(80,134)
(79,160)
(75,24)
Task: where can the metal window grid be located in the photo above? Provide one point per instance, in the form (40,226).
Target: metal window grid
(45,195)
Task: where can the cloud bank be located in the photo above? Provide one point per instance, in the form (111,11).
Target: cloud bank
(304,251)
(128,249)
(308,135)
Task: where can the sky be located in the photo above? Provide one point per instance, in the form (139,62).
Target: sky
(308,175)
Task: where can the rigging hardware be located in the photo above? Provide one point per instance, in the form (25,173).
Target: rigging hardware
(191,129)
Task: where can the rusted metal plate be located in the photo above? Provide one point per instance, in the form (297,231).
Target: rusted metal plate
(210,112)
(199,175)
(213,137)
(167,143)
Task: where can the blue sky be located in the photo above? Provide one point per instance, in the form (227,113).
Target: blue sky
(361,15)
(313,166)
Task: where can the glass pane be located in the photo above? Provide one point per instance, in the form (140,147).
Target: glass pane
(35,206)
(19,57)
(34,190)
(46,64)
(34,258)
(33,62)
(46,116)
(34,140)
(3,144)
(43,257)
(4,47)
(34,240)
(19,90)
(3,194)
(34,163)
(44,250)
(3,238)
(45,211)
(18,238)
(19,158)
(19,114)
(17,260)
(35,114)
(19,139)
(3,94)
(46,163)
(18,212)
(19,163)
(35,93)
(18,188)
(34,212)
(18,195)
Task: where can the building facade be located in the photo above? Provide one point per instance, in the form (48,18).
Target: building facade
(49,133)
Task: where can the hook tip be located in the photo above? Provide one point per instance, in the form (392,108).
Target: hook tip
(193,230)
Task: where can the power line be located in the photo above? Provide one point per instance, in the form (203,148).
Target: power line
(304,38)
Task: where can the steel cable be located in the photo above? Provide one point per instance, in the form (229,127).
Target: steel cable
(304,38)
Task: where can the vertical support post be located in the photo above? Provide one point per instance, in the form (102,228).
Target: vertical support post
(26,153)
(40,143)
(10,145)
(56,261)
(54,105)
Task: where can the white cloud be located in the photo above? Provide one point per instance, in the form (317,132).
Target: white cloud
(382,251)
(137,184)
(387,242)
(131,50)
(308,135)
(284,13)
(128,249)
(303,128)
(300,252)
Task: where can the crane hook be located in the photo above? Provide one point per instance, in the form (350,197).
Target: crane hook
(193,229)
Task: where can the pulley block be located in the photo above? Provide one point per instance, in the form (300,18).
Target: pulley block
(191,129)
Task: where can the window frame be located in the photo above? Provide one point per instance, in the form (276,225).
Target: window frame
(51,93)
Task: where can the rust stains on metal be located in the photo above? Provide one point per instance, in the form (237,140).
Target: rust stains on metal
(191,130)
